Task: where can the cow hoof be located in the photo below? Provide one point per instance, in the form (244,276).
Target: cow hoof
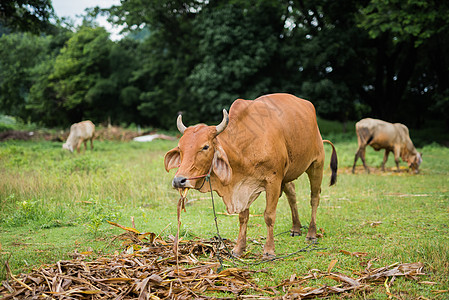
(268,256)
(311,239)
(295,233)
(236,253)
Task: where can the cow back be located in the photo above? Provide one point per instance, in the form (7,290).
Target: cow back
(275,132)
(85,130)
(82,130)
(378,134)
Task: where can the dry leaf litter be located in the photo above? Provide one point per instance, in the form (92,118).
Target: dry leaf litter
(148,269)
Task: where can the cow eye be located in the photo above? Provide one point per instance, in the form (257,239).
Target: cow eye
(206,147)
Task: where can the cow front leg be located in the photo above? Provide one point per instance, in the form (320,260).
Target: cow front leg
(272,195)
(289,190)
(385,159)
(315,173)
(78,146)
(240,246)
(397,152)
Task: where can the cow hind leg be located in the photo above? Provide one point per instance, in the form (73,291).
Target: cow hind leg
(315,173)
(356,157)
(289,190)
(240,246)
(360,154)
(362,157)
(385,159)
(272,194)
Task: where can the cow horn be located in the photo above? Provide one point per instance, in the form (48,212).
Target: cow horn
(181,126)
(220,127)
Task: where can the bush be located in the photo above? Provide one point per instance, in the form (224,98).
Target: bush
(100,212)
(7,123)
(29,212)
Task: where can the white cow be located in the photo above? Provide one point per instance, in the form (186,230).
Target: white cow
(80,132)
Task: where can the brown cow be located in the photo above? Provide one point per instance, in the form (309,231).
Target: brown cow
(80,132)
(391,137)
(263,145)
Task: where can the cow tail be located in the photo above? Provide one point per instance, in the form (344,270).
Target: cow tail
(333,163)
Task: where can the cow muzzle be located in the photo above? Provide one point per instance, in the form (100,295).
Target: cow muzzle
(181,182)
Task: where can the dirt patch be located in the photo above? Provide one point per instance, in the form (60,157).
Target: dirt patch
(38,135)
(114,133)
(376,170)
(16,135)
(110,133)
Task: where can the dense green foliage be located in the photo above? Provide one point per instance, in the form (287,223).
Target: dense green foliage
(55,202)
(26,15)
(352,59)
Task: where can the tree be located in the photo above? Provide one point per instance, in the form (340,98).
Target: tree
(238,55)
(26,15)
(410,39)
(167,56)
(42,105)
(104,90)
(378,58)
(328,52)
(116,95)
(19,53)
(80,67)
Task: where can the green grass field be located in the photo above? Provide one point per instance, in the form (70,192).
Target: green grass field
(54,202)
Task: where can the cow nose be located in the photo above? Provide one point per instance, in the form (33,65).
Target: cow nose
(179,182)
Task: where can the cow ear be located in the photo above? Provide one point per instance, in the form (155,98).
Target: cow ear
(172,159)
(221,166)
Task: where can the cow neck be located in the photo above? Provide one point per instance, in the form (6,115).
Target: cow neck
(224,191)
(408,150)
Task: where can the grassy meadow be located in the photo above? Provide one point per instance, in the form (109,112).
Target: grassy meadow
(54,203)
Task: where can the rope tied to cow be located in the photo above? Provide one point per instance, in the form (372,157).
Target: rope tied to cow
(205,176)
(221,244)
(216,226)
(181,206)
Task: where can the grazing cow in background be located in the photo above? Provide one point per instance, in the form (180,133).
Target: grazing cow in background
(391,137)
(80,132)
(263,145)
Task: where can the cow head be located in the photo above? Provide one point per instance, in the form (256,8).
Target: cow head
(414,161)
(67,146)
(198,154)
